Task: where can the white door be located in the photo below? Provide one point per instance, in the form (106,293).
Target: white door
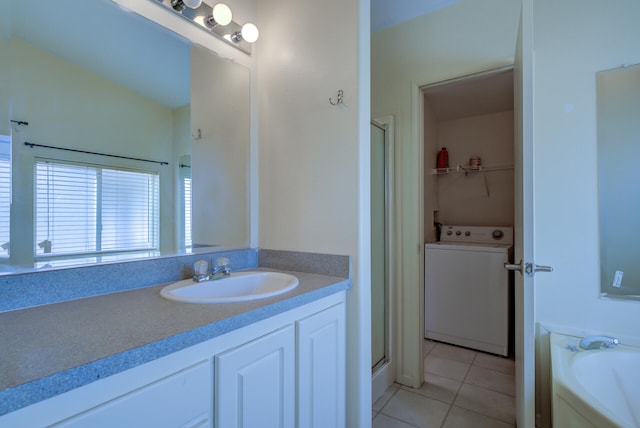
(523,230)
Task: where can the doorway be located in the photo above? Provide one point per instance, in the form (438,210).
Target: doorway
(472,120)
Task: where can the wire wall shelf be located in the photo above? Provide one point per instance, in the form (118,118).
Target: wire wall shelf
(466,169)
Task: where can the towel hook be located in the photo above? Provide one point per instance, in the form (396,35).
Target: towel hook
(340,98)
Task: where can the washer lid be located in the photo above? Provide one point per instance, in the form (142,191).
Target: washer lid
(477,234)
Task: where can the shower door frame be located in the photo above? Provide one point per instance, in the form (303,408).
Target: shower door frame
(383,373)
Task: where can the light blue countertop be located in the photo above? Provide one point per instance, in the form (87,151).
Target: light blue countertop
(50,349)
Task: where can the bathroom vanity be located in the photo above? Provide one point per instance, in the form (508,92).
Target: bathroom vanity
(133,358)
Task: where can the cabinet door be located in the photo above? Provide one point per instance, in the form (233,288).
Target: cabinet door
(255,383)
(183,399)
(321,369)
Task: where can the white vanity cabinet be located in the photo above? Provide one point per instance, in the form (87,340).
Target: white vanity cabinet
(284,371)
(294,376)
(180,400)
(321,369)
(255,382)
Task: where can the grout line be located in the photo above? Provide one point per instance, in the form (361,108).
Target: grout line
(457,393)
(397,387)
(468,371)
(483,415)
(444,420)
(462,383)
(399,420)
(489,389)
(455,396)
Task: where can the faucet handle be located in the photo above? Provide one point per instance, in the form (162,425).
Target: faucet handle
(201,268)
(614,342)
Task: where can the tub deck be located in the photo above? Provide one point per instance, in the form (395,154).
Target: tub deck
(595,388)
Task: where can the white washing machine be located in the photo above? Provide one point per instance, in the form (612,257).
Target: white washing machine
(467,287)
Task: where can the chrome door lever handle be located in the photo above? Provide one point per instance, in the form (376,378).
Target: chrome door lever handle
(527,268)
(539,268)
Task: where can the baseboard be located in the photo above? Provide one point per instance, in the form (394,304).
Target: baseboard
(381,380)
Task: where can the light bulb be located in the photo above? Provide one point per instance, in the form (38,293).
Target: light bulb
(250,32)
(192,4)
(222,14)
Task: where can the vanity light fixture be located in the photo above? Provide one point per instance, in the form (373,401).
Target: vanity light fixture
(249,33)
(179,5)
(216,20)
(220,15)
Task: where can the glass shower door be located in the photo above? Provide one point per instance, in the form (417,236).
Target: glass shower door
(378,247)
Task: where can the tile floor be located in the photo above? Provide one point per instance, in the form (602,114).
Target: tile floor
(463,388)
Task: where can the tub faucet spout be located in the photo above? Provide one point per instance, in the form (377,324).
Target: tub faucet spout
(599,342)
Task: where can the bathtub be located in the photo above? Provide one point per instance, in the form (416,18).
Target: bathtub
(595,388)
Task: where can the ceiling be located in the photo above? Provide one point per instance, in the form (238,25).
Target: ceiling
(154,58)
(99,36)
(473,96)
(386,13)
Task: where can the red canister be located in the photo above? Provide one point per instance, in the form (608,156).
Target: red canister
(443,159)
(474,162)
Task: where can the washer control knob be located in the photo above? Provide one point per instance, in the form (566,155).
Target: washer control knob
(449,232)
(497,234)
(458,233)
(467,233)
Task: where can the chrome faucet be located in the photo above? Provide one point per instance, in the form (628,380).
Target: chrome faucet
(598,342)
(201,271)
(222,266)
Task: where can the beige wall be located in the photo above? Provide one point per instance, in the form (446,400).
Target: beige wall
(308,148)
(476,199)
(4,86)
(313,192)
(220,100)
(181,151)
(573,40)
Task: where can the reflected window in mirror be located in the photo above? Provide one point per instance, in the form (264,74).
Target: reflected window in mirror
(83,209)
(185,197)
(618,102)
(5,195)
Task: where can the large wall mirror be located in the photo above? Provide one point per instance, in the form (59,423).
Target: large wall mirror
(618,93)
(118,139)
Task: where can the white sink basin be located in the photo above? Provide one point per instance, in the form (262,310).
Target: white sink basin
(240,286)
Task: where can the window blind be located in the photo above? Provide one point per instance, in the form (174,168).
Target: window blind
(86,209)
(186,187)
(5,194)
